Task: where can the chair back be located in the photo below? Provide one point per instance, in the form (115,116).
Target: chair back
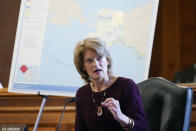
(167,106)
(187,75)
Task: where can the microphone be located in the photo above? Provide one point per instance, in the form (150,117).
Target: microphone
(66,103)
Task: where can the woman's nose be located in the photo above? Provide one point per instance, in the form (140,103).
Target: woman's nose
(95,62)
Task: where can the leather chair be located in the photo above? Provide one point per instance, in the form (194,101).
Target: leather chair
(187,75)
(167,106)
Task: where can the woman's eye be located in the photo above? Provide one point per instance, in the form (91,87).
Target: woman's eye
(89,60)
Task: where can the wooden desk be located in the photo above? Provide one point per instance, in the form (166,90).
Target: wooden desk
(18,108)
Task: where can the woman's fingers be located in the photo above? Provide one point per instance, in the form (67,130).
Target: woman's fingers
(113,106)
(110,102)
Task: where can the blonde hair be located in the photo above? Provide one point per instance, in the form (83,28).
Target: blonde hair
(96,45)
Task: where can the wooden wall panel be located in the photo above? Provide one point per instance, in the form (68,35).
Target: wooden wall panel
(188,31)
(9,10)
(156,61)
(175,38)
(168,35)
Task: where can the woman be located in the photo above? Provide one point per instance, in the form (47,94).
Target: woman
(106,102)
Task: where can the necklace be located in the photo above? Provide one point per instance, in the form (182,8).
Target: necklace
(99,108)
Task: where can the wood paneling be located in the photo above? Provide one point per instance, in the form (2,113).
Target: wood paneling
(175,38)
(23,109)
(20,112)
(193,118)
(9,10)
(188,31)
(168,35)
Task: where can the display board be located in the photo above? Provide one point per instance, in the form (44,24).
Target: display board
(48,31)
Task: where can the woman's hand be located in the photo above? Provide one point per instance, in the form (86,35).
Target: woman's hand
(114,107)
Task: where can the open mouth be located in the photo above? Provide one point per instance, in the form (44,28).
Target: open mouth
(98,70)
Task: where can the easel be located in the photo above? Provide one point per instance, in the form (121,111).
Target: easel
(44,99)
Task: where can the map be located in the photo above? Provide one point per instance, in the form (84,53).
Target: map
(48,31)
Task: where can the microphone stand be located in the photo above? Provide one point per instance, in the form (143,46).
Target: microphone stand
(69,101)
